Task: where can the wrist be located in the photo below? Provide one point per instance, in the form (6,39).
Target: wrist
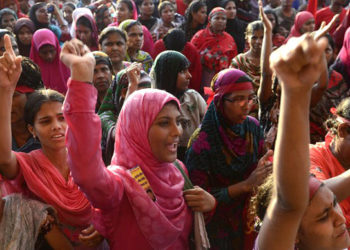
(81,75)
(247,186)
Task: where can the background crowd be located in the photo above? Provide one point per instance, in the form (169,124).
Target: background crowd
(191,96)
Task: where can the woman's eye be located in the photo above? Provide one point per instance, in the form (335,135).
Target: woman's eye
(44,121)
(163,124)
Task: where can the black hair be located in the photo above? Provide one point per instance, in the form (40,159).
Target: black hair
(110,30)
(271,12)
(30,75)
(36,100)
(99,17)
(194,7)
(343,110)
(32,15)
(175,40)
(166,68)
(253,26)
(132,24)
(223,3)
(7,11)
(164,4)
(139,2)
(84,21)
(69,4)
(330,40)
(128,4)
(3,32)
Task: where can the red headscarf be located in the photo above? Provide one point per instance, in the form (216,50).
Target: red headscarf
(301,18)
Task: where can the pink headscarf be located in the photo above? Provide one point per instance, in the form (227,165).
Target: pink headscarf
(94,31)
(132,148)
(54,74)
(344,54)
(300,19)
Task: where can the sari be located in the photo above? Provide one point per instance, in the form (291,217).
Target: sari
(324,165)
(54,74)
(242,62)
(221,154)
(216,50)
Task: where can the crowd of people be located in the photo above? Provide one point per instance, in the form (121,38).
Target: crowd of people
(175,124)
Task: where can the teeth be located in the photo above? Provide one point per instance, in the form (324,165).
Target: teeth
(57,136)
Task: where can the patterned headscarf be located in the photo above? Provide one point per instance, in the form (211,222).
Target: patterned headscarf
(221,84)
(235,145)
(103,58)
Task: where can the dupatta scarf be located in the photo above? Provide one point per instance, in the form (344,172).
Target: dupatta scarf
(232,148)
(94,31)
(132,148)
(40,179)
(54,74)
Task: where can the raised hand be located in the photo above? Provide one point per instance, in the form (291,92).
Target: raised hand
(134,72)
(298,63)
(267,23)
(76,56)
(263,170)
(317,34)
(10,66)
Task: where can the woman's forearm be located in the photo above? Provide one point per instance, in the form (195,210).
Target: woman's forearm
(265,91)
(8,163)
(84,150)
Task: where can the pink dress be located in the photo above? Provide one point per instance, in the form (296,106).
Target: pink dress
(126,217)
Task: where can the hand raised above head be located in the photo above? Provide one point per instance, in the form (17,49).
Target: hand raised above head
(298,63)
(267,23)
(77,56)
(10,66)
(324,29)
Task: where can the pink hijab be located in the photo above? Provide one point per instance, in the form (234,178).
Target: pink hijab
(132,148)
(300,19)
(94,31)
(344,54)
(54,74)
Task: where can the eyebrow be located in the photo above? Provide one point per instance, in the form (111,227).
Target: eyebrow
(334,203)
